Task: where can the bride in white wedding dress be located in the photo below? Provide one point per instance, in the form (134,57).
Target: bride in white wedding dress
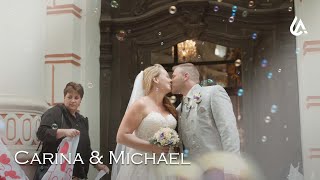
(148,111)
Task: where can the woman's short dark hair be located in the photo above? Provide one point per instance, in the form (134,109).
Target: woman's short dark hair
(72,86)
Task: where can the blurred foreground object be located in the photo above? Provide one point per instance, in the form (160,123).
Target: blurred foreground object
(215,166)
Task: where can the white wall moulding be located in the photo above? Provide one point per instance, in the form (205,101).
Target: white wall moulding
(65,58)
(69,8)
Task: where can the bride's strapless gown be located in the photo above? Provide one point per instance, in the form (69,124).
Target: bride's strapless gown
(148,127)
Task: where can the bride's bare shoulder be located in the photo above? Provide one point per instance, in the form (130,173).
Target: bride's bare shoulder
(140,104)
(138,108)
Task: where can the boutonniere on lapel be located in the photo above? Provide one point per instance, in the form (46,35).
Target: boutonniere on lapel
(197,97)
(194,101)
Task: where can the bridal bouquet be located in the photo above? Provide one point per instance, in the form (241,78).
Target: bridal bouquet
(165,137)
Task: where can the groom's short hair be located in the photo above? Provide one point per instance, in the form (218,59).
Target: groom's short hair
(190,69)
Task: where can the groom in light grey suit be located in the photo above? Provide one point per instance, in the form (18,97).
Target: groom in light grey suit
(207,122)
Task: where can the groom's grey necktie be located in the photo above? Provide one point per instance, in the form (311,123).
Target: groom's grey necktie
(185,103)
(186,100)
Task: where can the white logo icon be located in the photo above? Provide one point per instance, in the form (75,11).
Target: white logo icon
(296,31)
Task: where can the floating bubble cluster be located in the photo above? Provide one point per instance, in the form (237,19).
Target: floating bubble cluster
(121,35)
(269,75)
(251,4)
(240,92)
(264,63)
(254,36)
(237,63)
(267,119)
(216,8)
(114,4)
(244,13)
(172,10)
(274,108)
(231,19)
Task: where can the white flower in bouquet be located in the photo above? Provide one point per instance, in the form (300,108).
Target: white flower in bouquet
(165,137)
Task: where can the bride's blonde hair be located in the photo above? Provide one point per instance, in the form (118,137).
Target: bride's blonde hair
(148,75)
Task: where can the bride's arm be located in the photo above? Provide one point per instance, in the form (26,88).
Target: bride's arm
(130,123)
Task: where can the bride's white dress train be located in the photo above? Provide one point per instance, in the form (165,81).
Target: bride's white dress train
(148,127)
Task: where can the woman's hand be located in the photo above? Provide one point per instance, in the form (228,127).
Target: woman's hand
(71,132)
(100,167)
(158,150)
(67,133)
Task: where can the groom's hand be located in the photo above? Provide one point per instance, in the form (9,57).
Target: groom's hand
(100,167)
(176,149)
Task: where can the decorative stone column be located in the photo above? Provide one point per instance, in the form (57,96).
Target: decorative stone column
(22,118)
(308,54)
(22,45)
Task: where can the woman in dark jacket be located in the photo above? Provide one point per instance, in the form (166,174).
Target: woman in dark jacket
(64,121)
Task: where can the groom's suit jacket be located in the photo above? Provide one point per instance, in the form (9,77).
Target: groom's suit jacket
(208,124)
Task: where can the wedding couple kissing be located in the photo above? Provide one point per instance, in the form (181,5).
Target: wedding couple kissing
(204,120)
